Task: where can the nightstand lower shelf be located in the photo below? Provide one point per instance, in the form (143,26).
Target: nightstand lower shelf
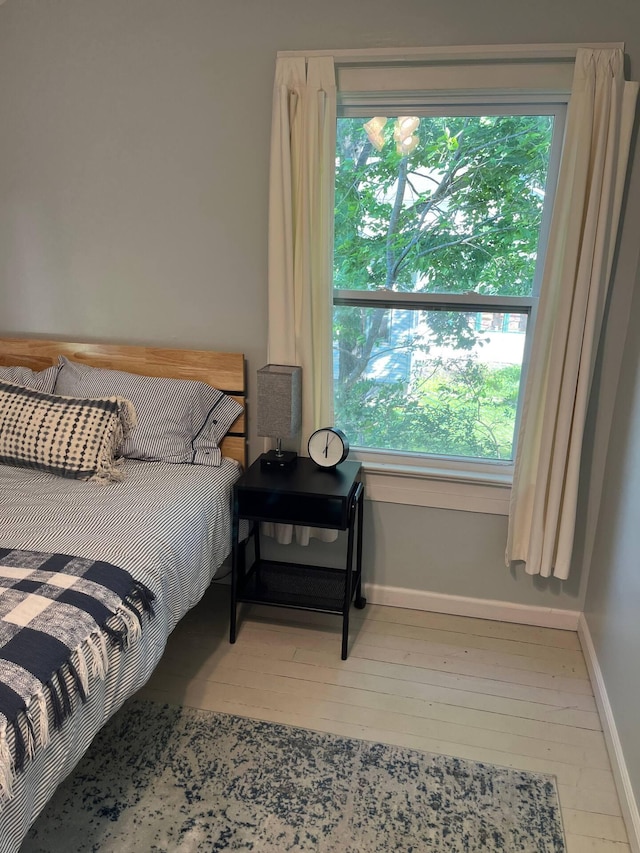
(303,587)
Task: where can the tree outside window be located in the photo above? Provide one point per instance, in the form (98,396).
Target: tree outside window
(437,232)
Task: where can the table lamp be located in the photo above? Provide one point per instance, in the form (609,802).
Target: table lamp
(279,412)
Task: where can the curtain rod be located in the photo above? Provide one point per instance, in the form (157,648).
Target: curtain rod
(463,52)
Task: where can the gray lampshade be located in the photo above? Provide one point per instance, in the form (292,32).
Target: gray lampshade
(279,400)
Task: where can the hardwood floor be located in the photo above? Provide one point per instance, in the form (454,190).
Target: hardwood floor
(511,695)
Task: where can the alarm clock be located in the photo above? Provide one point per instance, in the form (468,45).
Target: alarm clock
(328,447)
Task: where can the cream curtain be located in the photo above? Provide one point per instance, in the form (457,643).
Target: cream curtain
(301,238)
(574,291)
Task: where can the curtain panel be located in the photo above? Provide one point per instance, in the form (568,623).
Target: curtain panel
(574,291)
(301,239)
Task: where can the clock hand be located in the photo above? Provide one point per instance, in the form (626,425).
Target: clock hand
(326,450)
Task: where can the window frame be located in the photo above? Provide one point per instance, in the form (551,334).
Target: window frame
(448,481)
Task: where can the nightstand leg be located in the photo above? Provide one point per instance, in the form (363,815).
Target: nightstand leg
(235,547)
(360,601)
(347,586)
(256,541)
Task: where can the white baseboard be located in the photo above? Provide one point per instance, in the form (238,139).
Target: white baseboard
(628,803)
(459,605)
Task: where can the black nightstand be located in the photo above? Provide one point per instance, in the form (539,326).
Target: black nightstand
(311,496)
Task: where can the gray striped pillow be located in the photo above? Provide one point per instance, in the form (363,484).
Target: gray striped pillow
(179,420)
(69,437)
(44,380)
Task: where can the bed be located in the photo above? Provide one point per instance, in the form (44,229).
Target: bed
(166,525)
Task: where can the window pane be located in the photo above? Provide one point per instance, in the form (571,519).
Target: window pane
(440,204)
(432,204)
(437,382)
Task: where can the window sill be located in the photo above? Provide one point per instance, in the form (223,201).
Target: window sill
(444,488)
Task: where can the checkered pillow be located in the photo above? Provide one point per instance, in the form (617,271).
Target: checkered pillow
(70,437)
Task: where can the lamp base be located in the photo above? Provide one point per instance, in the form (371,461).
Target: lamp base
(272,461)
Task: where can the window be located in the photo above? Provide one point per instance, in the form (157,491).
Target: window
(441,212)
(441,309)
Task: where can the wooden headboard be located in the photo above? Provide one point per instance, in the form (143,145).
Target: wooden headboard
(224,370)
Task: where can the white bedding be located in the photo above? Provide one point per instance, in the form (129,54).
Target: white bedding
(169,526)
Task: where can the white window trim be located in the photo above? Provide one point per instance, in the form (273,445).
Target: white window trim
(471,485)
(428,490)
(451,53)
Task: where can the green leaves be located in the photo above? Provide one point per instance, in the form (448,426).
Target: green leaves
(446,217)
(467,411)
(460,213)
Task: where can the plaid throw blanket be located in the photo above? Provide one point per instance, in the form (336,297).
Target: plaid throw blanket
(57,616)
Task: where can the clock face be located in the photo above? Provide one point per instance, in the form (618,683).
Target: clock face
(328,447)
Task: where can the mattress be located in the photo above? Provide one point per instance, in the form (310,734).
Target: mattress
(169,526)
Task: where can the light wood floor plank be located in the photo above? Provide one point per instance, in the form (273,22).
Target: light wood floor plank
(540,658)
(363,628)
(580,844)
(483,627)
(395,682)
(273,675)
(552,637)
(417,653)
(589,800)
(594,825)
(547,695)
(511,649)
(493,681)
(568,693)
(440,647)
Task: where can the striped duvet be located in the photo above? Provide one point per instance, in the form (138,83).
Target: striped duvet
(169,526)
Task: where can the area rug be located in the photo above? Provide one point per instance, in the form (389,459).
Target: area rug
(160,778)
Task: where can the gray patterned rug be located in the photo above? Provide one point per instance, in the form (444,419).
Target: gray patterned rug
(160,778)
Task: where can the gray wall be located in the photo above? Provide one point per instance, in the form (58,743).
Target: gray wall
(133,195)
(612,605)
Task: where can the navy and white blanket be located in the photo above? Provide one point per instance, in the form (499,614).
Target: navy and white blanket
(57,616)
